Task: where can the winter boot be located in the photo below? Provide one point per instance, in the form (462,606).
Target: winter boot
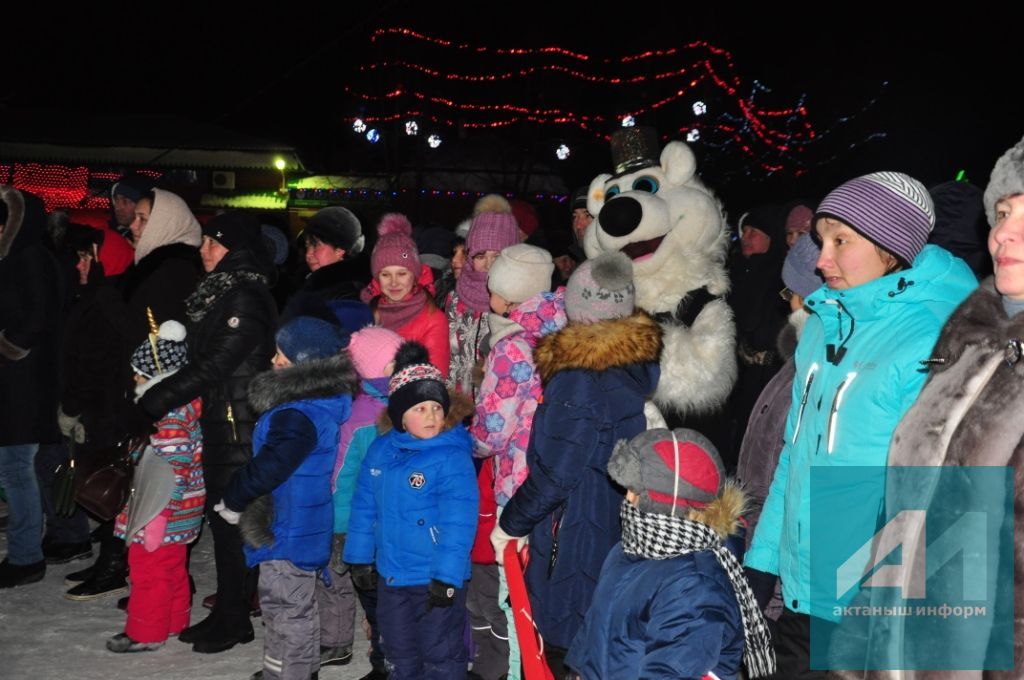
(80,576)
(122,644)
(12,575)
(221,635)
(109,578)
(61,553)
(196,631)
(335,656)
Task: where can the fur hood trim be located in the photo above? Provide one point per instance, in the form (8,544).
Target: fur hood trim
(600,346)
(724,513)
(461,408)
(980,321)
(316,379)
(256,521)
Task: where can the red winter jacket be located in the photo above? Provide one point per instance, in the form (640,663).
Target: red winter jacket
(430,328)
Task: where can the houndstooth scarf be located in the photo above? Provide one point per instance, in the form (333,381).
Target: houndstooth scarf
(212,287)
(658,537)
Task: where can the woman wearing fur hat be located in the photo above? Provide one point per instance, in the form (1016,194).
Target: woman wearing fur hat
(858,368)
(400,293)
(596,374)
(672,601)
(492,230)
(969,414)
(413,518)
(282,497)
(231,317)
(334,254)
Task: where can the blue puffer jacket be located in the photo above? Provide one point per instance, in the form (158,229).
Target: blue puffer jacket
(414,511)
(596,378)
(295,444)
(858,369)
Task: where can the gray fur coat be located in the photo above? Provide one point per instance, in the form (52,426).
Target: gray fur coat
(970,412)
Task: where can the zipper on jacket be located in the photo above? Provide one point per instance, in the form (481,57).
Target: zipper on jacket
(231,420)
(808,381)
(833,416)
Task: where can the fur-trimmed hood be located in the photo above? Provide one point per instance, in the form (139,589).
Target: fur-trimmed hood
(461,408)
(724,513)
(600,346)
(315,379)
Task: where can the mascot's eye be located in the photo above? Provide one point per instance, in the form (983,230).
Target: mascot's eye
(612,191)
(648,184)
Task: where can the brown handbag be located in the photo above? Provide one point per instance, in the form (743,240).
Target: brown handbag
(105,490)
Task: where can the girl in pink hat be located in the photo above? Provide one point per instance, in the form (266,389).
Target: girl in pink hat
(401,292)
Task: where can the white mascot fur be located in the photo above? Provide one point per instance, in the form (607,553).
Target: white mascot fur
(672,227)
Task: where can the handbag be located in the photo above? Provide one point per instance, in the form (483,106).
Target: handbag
(105,490)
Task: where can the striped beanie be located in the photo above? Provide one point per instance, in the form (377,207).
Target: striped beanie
(414,381)
(890,209)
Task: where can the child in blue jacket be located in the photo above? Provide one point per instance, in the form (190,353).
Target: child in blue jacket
(672,600)
(285,490)
(414,516)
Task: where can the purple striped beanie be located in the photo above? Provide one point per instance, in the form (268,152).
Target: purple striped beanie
(891,209)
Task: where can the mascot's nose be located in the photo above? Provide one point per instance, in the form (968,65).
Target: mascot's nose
(620,216)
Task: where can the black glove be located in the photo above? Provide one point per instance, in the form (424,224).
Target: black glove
(364,576)
(762,584)
(440,594)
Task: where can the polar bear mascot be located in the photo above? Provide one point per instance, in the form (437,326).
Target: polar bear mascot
(661,215)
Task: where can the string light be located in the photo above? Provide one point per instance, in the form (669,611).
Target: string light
(372,136)
(751,131)
(318,194)
(434,141)
(562,152)
(411,128)
(359,126)
(64,186)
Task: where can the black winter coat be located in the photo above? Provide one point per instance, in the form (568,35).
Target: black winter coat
(97,376)
(31,298)
(231,340)
(161,281)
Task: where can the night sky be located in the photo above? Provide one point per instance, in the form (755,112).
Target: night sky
(949,103)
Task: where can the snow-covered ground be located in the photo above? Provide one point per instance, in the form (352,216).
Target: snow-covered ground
(46,637)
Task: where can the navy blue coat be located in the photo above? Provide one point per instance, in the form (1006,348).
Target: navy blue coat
(674,618)
(596,379)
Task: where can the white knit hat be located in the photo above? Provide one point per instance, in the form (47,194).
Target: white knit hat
(520,272)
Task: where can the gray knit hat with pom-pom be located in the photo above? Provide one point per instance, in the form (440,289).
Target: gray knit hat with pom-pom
(601,288)
(1007,179)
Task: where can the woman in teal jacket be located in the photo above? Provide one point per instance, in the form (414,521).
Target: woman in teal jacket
(859,368)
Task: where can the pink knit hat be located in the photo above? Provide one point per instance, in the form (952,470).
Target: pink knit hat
(372,349)
(395,247)
(491,231)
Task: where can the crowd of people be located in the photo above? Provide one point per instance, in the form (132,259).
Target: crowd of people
(392,425)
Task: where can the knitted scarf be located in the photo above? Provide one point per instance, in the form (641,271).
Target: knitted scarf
(212,287)
(472,289)
(394,315)
(653,536)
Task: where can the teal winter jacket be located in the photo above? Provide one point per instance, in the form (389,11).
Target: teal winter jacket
(858,369)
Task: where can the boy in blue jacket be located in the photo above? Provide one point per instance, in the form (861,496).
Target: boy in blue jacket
(285,490)
(414,516)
